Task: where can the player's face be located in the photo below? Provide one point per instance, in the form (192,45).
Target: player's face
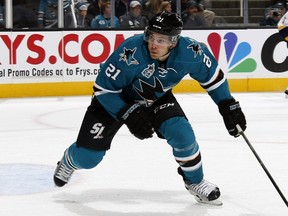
(158,45)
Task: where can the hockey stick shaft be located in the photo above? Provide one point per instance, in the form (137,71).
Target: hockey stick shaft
(241,132)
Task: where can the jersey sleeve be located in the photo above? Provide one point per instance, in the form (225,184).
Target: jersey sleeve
(114,75)
(206,71)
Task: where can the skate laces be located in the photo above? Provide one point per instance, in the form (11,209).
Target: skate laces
(64,172)
(203,188)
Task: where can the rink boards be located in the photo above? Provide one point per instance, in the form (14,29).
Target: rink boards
(63,63)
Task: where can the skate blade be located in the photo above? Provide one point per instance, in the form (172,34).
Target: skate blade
(207,202)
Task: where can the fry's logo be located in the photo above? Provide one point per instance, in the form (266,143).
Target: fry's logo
(36,47)
(236,53)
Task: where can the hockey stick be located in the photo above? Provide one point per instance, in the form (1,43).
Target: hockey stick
(241,132)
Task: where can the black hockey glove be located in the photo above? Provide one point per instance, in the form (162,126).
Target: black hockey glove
(232,115)
(136,120)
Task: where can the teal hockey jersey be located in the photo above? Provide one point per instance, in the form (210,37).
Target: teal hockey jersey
(130,75)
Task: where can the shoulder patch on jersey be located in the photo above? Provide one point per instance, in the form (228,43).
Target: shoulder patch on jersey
(149,71)
(196,48)
(128,56)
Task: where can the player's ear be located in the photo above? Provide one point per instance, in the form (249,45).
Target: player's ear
(173,45)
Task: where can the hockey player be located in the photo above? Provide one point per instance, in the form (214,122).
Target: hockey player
(283,30)
(134,87)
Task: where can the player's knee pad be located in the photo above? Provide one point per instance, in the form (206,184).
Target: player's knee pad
(84,158)
(178,132)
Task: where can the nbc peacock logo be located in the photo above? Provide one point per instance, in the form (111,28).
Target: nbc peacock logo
(237,53)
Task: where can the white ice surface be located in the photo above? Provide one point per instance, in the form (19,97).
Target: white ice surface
(139,177)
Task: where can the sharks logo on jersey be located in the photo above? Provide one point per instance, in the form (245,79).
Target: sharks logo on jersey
(148,91)
(128,56)
(196,48)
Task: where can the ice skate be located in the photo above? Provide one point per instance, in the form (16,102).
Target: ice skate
(204,192)
(63,173)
